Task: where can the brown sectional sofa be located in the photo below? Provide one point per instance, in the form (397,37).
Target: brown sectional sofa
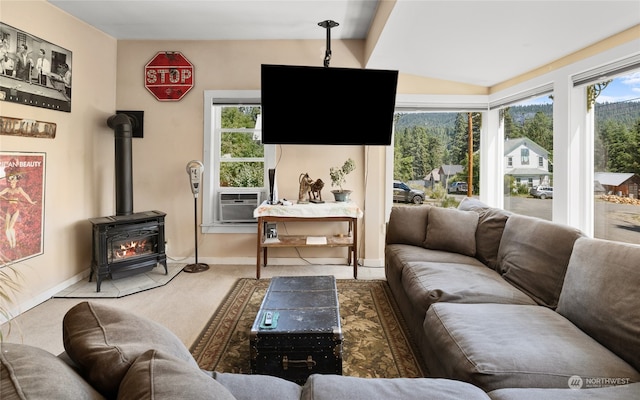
(503,307)
(515,302)
(114,354)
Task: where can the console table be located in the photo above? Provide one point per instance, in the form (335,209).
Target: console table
(311,212)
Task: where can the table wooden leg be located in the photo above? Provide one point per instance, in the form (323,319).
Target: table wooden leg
(259,243)
(355,248)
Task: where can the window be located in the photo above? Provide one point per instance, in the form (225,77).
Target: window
(617,159)
(241,154)
(528,131)
(524,156)
(236,162)
(431,151)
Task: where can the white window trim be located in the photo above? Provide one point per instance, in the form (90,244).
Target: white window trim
(211,148)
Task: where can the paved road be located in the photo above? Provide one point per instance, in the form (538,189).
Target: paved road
(619,222)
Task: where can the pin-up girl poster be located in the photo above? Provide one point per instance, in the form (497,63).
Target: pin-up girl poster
(21,206)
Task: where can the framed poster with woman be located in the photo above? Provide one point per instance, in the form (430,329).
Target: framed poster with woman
(22,177)
(33,71)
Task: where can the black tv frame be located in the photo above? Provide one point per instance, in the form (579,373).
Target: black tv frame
(305,105)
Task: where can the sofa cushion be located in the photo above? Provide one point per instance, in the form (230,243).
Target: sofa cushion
(452,230)
(600,294)
(248,387)
(104,341)
(585,392)
(426,283)
(334,387)
(496,346)
(491,224)
(408,225)
(28,372)
(534,254)
(155,375)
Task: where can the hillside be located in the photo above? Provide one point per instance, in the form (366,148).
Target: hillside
(426,140)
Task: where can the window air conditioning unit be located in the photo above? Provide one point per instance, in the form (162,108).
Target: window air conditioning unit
(238,206)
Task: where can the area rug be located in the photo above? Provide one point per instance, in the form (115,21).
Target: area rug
(115,288)
(376,341)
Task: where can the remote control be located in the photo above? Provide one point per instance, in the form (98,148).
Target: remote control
(268,318)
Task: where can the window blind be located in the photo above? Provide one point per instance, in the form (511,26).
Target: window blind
(607,71)
(519,97)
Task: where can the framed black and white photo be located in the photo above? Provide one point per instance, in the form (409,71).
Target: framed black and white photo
(34,72)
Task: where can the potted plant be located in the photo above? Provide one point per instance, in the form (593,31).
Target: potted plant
(338,178)
(9,287)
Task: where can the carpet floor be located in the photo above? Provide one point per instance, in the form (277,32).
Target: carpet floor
(376,342)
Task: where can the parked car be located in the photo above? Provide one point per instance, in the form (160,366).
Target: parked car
(457,187)
(404,194)
(541,192)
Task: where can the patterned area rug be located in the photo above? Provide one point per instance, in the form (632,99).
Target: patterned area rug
(376,341)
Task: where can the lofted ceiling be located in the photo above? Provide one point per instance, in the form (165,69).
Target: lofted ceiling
(474,42)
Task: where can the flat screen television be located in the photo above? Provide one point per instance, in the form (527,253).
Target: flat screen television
(327,105)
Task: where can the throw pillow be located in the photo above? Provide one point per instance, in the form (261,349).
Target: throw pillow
(471,204)
(489,232)
(28,372)
(533,256)
(104,341)
(407,225)
(155,375)
(452,230)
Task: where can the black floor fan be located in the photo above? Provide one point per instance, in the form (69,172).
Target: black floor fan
(194,169)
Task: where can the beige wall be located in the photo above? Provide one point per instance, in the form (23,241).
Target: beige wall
(79,161)
(174,131)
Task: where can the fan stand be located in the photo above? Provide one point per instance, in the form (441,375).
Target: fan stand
(196,267)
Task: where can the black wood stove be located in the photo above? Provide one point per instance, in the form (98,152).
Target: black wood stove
(128,243)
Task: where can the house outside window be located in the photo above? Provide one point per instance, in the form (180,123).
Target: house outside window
(528,148)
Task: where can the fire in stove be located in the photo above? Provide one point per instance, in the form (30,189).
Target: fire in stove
(133,248)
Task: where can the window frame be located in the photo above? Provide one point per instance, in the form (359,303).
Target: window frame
(210,187)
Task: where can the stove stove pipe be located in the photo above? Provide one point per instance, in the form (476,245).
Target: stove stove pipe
(123,132)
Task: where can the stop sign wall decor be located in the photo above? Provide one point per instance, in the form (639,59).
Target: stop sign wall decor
(168,76)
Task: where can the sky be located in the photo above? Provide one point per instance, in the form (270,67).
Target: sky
(622,88)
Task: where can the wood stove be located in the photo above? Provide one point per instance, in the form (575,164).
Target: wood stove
(128,243)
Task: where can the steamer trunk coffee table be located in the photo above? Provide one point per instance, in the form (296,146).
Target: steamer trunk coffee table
(297,331)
